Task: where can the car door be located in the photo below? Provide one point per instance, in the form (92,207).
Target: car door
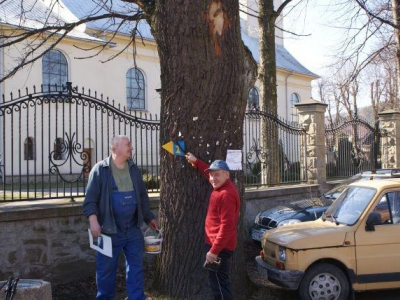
(378,251)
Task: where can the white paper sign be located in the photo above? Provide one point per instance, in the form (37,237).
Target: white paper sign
(107,244)
(234,159)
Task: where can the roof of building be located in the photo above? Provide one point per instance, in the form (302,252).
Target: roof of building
(35,12)
(284,60)
(83,9)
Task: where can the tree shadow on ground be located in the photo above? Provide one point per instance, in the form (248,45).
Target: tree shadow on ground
(85,289)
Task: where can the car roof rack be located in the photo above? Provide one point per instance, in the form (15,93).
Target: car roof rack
(395,173)
(381,173)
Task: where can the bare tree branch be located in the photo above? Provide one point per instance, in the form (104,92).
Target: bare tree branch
(363,5)
(67,26)
(42,39)
(256,15)
(282,7)
(24,61)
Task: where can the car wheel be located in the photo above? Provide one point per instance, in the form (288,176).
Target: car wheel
(324,281)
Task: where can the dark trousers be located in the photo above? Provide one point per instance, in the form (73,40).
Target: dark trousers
(129,239)
(131,243)
(219,281)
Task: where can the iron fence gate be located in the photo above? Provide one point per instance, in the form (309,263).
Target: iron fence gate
(52,137)
(291,149)
(351,147)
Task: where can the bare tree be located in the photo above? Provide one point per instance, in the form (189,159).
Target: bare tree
(348,91)
(206,72)
(371,27)
(381,75)
(370,47)
(386,13)
(268,93)
(341,93)
(328,94)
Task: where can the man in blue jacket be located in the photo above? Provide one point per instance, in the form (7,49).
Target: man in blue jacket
(116,204)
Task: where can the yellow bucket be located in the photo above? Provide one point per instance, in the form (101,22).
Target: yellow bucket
(153,241)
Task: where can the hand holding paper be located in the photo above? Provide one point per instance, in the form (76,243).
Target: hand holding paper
(95,227)
(105,246)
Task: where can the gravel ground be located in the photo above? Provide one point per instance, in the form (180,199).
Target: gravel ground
(85,289)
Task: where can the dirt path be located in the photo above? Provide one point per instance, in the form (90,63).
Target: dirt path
(85,289)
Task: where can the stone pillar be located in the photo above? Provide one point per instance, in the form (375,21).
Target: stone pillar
(390,144)
(312,117)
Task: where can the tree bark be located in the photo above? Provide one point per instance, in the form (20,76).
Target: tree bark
(396,21)
(268,93)
(206,73)
(375,110)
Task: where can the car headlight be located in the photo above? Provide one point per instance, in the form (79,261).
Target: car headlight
(282,253)
(256,219)
(288,222)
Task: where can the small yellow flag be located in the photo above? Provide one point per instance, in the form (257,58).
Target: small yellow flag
(177,148)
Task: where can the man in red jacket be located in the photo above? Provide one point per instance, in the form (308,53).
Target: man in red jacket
(221,223)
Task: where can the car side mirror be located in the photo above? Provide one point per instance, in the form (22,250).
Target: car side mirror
(374,218)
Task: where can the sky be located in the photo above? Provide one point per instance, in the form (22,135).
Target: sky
(318,21)
(315,48)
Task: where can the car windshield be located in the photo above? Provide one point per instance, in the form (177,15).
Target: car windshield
(348,207)
(335,192)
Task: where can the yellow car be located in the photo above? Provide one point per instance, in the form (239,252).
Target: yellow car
(354,246)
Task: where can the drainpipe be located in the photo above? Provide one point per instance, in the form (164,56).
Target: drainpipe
(286,95)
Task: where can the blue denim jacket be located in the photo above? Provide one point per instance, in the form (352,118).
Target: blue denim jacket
(99,196)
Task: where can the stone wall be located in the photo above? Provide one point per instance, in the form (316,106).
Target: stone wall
(49,242)
(48,239)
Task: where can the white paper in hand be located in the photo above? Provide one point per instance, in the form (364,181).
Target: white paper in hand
(107,244)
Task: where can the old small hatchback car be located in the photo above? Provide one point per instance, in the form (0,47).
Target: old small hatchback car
(354,246)
(308,209)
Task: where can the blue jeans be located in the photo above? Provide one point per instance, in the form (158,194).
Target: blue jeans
(129,239)
(132,244)
(219,281)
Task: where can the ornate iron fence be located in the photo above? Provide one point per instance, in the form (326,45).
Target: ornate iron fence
(52,137)
(291,148)
(351,147)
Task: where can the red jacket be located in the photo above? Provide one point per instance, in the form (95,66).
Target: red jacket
(222,215)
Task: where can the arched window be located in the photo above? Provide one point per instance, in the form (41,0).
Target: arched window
(54,71)
(59,149)
(29,149)
(135,89)
(253,101)
(294,98)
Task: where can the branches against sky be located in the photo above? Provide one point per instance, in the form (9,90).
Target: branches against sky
(36,27)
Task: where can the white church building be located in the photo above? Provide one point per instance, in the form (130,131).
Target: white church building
(130,83)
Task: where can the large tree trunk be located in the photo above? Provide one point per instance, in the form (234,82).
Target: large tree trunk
(375,110)
(269,99)
(396,20)
(206,73)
